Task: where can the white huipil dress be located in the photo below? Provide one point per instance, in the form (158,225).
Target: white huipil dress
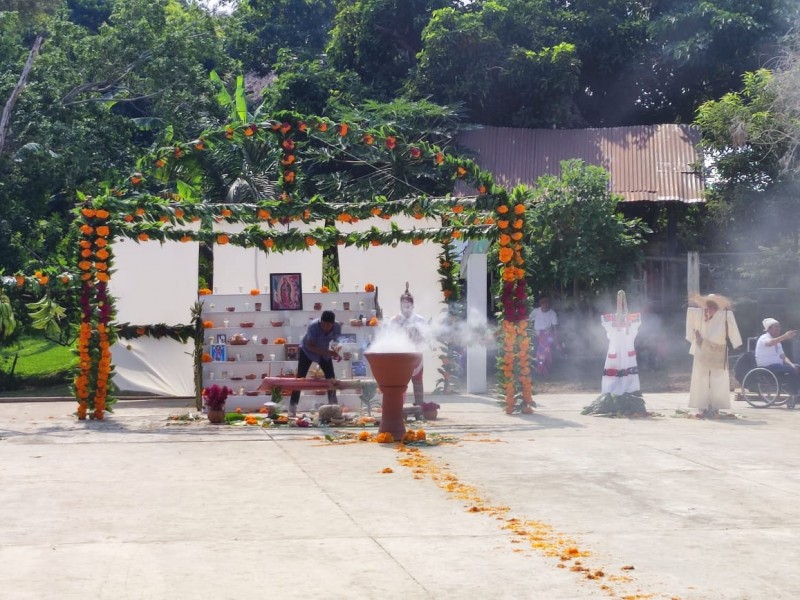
(710,387)
(621,373)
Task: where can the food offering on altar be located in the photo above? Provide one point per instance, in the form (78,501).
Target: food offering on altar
(238,339)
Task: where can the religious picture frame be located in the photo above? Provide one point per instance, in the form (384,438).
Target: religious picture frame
(358,368)
(219,352)
(222,338)
(292,351)
(286,291)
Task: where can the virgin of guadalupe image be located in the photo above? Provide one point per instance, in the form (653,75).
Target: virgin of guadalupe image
(287,295)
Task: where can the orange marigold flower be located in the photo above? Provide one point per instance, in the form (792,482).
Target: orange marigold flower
(343,129)
(100,242)
(136,178)
(226,212)
(102,277)
(519,209)
(88,212)
(344,218)
(43,279)
(369,287)
(229,132)
(455,234)
(301,125)
(248,131)
(517,235)
(186,238)
(254,292)
(489,221)
(269,243)
(505,254)
(368,139)
(415,153)
(502,224)
(518,224)
(263,214)
(447,293)
(310,241)
(482,189)
(288,144)
(64,279)
(324,289)
(363,436)
(86,230)
(287,159)
(376,210)
(458,209)
(102,254)
(222,239)
(85,244)
(177,152)
(164,218)
(504,240)
(160,163)
(86,253)
(461,171)
(140,212)
(285,128)
(375,242)
(502,209)
(288,176)
(103,231)
(178,213)
(438,158)
(102,213)
(391,142)
(206,357)
(416,241)
(323,126)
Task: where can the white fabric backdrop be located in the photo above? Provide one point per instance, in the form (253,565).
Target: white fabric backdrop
(249,268)
(389,269)
(154,283)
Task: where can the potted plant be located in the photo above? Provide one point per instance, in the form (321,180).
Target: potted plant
(214,399)
(430,410)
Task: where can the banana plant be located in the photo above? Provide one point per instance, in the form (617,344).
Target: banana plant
(45,315)
(8,322)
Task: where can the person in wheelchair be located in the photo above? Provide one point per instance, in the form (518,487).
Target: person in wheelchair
(769,354)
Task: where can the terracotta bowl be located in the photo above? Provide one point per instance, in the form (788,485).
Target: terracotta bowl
(231,308)
(277,323)
(246,324)
(251,393)
(250,376)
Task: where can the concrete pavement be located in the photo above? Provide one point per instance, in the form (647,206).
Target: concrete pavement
(553,505)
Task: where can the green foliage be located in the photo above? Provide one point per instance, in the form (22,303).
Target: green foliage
(577,240)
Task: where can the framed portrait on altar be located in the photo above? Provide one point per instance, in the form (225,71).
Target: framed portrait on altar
(219,352)
(359,368)
(286,291)
(292,351)
(222,338)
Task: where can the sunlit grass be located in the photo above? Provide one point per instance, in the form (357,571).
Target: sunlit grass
(37,359)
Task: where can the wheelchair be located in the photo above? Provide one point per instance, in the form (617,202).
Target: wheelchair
(760,387)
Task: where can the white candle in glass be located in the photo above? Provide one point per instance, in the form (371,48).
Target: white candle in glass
(272,357)
(225,322)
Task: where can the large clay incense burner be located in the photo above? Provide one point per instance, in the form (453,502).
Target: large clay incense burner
(392,371)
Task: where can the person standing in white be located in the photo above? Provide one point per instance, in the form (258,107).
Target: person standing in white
(545,327)
(710,325)
(413,324)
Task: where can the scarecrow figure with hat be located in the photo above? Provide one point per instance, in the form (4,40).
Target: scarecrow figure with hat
(710,326)
(413,324)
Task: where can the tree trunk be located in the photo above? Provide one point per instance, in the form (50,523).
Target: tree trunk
(15,94)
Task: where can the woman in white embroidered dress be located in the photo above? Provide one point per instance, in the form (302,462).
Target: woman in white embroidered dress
(710,325)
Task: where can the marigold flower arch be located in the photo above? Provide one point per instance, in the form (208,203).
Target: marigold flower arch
(152,206)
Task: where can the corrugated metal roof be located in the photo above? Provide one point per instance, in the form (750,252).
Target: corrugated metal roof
(646,163)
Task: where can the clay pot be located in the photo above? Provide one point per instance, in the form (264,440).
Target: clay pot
(317,305)
(430,414)
(258,306)
(346,305)
(259,357)
(392,371)
(216,416)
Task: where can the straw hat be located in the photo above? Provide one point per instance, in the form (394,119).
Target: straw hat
(721,302)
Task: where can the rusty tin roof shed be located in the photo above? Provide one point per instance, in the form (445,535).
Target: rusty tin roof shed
(650,163)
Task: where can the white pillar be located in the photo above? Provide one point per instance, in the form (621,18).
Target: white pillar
(693,273)
(476,302)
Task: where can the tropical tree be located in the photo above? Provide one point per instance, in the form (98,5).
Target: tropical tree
(579,243)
